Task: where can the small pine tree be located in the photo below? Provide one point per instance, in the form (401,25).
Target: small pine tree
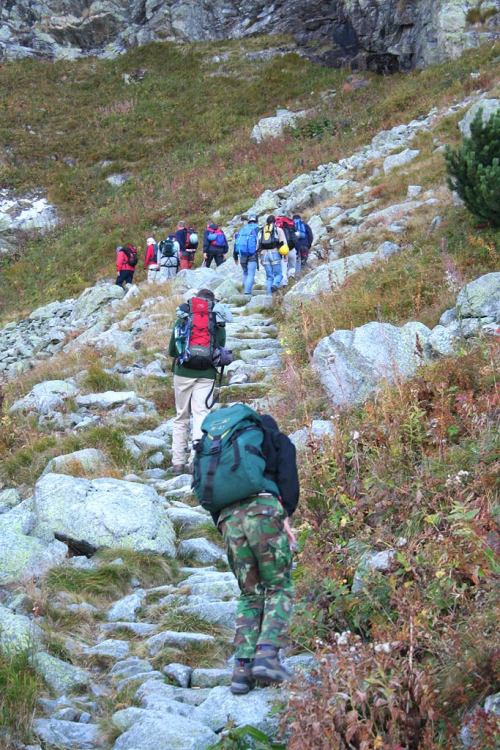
(475,167)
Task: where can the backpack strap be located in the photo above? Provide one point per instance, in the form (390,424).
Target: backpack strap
(215,451)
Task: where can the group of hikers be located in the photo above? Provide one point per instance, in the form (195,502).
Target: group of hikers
(282,247)
(244,470)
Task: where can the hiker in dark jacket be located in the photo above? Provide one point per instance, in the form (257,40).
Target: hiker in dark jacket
(259,544)
(215,245)
(303,244)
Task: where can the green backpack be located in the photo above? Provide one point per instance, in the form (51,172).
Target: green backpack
(229,464)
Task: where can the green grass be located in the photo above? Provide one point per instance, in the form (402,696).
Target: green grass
(197,655)
(150,569)
(19,689)
(185,622)
(84,110)
(107,582)
(208,530)
(97,380)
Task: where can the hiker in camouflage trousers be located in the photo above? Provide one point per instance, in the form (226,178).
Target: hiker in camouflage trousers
(258,539)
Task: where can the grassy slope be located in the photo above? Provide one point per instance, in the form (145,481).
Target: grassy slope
(182,133)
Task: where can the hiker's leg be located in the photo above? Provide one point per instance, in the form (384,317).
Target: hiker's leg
(219,259)
(277,275)
(291,262)
(201,389)
(269,543)
(120,278)
(269,277)
(183,388)
(185,264)
(245,567)
(250,277)
(284,271)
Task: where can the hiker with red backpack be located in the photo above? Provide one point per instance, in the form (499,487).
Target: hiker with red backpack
(245,252)
(271,245)
(188,244)
(245,475)
(303,241)
(126,261)
(151,264)
(215,245)
(198,336)
(288,262)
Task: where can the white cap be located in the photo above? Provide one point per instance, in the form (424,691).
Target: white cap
(151,241)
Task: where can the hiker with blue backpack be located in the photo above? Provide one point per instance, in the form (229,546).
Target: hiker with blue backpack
(245,252)
(303,241)
(215,245)
(245,475)
(271,245)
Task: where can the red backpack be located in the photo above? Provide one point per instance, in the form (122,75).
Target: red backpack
(195,340)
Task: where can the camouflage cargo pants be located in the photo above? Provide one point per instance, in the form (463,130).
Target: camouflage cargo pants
(260,558)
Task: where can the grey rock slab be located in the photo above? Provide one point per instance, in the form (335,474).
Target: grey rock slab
(386,249)
(89,460)
(221,704)
(107,400)
(369,562)
(327,277)
(186,518)
(179,673)
(45,397)
(260,302)
(103,513)
(112,648)
(130,667)
(442,342)
(93,299)
(488,107)
(17,632)
(68,734)
(62,678)
(480,298)
(352,364)
(400,160)
(8,499)
(137,628)
(215,612)
(178,733)
(212,585)
(193,279)
(137,679)
(126,608)
(23,556)
(210,678)
(201,550)
(174,639)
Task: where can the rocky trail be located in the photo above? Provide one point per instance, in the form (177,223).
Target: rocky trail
(138,657)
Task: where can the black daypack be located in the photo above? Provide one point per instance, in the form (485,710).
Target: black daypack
(167,248)
(269,239)
(131,253)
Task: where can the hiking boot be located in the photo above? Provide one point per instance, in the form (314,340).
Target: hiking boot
(274,289)
(177,470)
(242,681)
(267,667)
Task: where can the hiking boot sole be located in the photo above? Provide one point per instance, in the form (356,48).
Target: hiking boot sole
(238,689)
(266,676)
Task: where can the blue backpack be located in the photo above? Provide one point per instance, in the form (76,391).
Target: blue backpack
(300,229)
(217,238)
(246,240)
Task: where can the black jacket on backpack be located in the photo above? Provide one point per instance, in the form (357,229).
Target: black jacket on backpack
(281,465)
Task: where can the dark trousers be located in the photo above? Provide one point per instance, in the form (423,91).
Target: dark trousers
(218,257)
(124,276)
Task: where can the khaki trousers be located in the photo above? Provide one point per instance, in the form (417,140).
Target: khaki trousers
(190,396)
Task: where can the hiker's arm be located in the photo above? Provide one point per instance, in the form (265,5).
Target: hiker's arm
(172,351)
(287,477)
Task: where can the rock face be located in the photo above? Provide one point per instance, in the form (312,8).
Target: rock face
(351,364)
(381,35)
(102,513)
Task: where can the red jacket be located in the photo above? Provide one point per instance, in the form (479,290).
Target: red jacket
(122,263)
(150,256)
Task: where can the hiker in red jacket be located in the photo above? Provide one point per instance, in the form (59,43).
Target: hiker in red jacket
(126,261)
